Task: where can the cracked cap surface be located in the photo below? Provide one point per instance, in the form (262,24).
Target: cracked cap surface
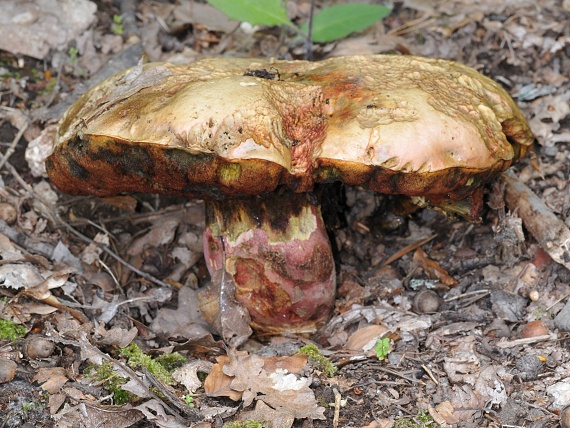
(238,127)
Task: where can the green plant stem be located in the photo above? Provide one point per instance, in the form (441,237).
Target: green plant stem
(310,32)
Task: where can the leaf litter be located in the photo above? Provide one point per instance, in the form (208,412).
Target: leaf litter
(471,363)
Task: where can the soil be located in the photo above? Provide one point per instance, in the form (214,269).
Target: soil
(470,309)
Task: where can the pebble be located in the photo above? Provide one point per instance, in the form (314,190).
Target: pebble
(39,347)
(7,213)
(7,370)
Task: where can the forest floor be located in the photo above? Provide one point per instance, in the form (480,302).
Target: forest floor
(490,349)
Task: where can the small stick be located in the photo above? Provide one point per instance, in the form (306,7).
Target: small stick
(337,398)
(525,341)
(550,232)
(110,252)
(12,148)
(407,249)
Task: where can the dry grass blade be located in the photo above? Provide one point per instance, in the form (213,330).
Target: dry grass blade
(407,249)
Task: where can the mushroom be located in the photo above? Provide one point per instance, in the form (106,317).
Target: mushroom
(254,137)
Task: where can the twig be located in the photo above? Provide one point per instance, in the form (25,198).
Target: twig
(337,398)
(526,341)
(550,232)
(25,242)
(192,414)
(18,177)
(12,148)
(430,374)
(407,249)
(111,253)
(469,294)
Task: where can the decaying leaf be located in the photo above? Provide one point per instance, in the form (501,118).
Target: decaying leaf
(185,321)
(51,378)
(243,375)
(364,339)
(115,336)
(93,415)
(187,375)
(262,412)
(432,268)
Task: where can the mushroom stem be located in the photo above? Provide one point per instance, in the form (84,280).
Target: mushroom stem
(278,253)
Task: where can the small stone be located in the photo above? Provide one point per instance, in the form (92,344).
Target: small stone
(8,213)
(7,370)
(529,367)
(426,302)
(39,347)
(562,320)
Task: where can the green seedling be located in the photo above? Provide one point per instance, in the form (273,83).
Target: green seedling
(243,424)
(316,358)
(10,330)
(330,23)
(73,55)
(421,420)
(117,26)
(189,400)
(382,348)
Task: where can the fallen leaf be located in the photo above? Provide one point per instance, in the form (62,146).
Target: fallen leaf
(365,338)
(217,383)
(280,389)
(187,375)
(275,418)
(432,268)
(118,336)
(51,378)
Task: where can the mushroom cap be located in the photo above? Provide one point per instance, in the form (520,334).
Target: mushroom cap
(240,127)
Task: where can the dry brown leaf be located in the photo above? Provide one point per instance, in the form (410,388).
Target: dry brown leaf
(361,339)
(293,364)
(443,413)
(55,401)
(162,232)
(279,389)
(115,336)
(51,378)
(9,252)
(185,321)
(92,415)
(276,418)
(432,268)
(381,423)
(187,375)
(217,384)
(244,376)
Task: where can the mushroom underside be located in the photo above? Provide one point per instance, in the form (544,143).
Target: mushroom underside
(90,166)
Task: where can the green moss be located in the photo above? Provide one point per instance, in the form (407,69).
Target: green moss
(110,380)
(316,358)
(10,330)
(160,367)
(243,424)
(421,420)
(32,405)
(171,361)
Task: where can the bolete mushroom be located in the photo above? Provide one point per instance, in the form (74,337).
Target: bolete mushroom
(253,137)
